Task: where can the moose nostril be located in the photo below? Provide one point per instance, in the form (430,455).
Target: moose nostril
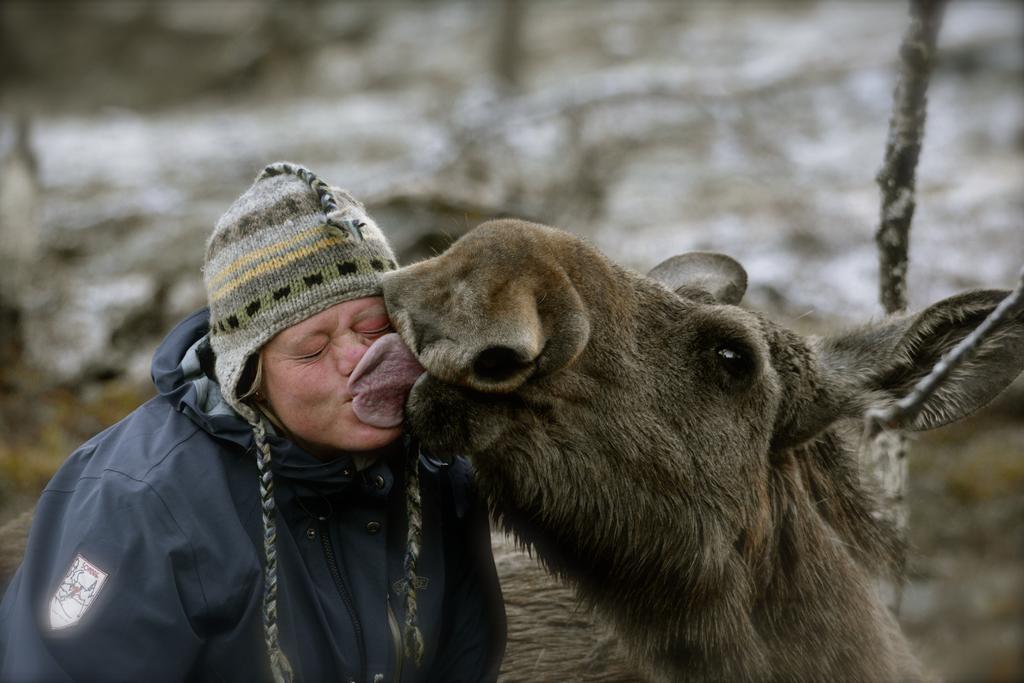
(499,363)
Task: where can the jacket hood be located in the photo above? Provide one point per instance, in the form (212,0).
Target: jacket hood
(180,380)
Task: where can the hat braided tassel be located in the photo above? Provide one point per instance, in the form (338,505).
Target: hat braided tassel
(414,510)
(280,667)
(320,188)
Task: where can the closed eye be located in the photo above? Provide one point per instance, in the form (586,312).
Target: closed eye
(376,332)
(314,355)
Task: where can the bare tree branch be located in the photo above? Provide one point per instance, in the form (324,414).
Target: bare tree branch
(904,411)
(903,148)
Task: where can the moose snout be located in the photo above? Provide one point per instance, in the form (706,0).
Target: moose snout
(501,368)
(491,344)
(492,368)
(488,367)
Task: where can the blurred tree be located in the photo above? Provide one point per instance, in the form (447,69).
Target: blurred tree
(150,53)
(20,243)
(508,45)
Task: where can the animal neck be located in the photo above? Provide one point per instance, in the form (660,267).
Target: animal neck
(689,594)
(818,610)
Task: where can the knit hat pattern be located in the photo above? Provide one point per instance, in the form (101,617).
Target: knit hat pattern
(289,247)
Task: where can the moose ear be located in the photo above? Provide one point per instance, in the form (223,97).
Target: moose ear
(893,356)
(703,271)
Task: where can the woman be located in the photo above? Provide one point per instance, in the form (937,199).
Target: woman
(248,503)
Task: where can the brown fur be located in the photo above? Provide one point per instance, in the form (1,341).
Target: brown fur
(551,637)
(707,506)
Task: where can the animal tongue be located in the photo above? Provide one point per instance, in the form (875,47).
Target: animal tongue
(381,381)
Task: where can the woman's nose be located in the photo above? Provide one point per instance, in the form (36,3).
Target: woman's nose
(348,354)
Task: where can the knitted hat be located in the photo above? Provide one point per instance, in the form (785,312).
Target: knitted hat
(287,249)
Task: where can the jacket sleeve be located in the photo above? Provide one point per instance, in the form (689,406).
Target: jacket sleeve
(106,590)
(473,641)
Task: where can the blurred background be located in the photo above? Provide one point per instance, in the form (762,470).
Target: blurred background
(650,128)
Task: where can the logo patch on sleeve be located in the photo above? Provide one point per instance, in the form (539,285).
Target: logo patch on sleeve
(76,593)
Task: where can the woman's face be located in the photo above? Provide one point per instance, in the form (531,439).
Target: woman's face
(305,377)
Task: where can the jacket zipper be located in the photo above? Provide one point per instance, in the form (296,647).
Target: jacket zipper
(396,637)
(346,596)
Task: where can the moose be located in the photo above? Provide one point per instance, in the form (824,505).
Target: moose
(678,459)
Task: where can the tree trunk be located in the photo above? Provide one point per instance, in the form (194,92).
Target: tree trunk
(887,450)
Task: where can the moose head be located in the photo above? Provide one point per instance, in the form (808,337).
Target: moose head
(673,455)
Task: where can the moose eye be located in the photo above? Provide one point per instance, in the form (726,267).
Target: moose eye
(735,360)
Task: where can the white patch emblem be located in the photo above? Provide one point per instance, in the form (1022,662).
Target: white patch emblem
(76,592)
